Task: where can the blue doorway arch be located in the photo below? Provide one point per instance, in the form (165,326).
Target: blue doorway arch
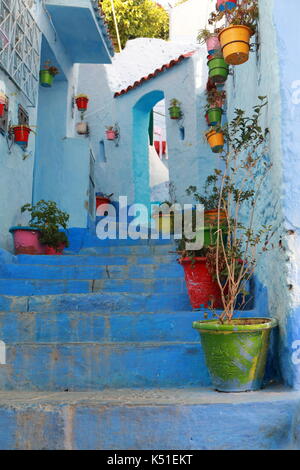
(140,135)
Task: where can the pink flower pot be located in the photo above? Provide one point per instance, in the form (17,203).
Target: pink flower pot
(26,241)
(213,44)
(110,135)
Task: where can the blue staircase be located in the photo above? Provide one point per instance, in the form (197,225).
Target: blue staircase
(101,341)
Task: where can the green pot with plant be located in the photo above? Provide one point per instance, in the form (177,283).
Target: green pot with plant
(218,69)
(50,221)
(236,349)
(47,74)
(174,109)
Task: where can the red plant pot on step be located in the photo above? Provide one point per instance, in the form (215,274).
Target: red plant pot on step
(202,289)
(82,103)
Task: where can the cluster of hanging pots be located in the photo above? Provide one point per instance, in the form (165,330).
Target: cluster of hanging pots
(230,46)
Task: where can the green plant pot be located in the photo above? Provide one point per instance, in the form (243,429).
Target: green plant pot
(210,236)
(175,112)
(214,116)
(218,70)
(46,79)
(236,353)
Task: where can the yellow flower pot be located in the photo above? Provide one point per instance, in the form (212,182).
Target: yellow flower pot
(215,140)
(164,223)
(235,44)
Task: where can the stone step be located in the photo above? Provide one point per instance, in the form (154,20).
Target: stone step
(69,327)
(146,271)
(23,287)
(97,302)
(169,419)
(96,260)
(87,366)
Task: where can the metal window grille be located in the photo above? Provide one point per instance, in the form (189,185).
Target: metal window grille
(20,46)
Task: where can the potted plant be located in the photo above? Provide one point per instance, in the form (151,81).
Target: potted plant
(236,348)
(174,109)
(218,68)
(111,133)
(21,134)
(103,199)
(215,101)
(163,217)
(82,102)
(49,220)
(27,240)
(215,138)
(235,39)
(47,74)
(210,39)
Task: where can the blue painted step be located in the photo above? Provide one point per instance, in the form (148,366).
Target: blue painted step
(70,327)
(26,287)
(96,260)
(94,366)
(171,419)
(33,271)
(100,302)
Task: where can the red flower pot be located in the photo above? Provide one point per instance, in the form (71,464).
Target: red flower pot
(82,103)
(111,135)
(21,134)
(101,200)
(50,250)
(202,289)
(2,109)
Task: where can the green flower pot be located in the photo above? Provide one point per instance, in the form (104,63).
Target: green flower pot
(175,112)
(236,352)
(214,116)
(46,79)
(218,70)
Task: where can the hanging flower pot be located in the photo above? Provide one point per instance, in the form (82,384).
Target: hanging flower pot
(226,4)
(215,140)
(21,135)
(218,70)
(82,102)
(27,241)
(214,116)
(82,128)
(47,75)
(202,289)
(174,109)
(111,134)
(2,109)
(213,44)
(102,201)
(235,43)
(236,352)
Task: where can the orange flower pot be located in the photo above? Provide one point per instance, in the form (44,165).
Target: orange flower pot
(211,217)
(215,140)
(235,44)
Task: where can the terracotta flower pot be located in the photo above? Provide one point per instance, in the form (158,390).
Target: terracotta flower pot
(50,250)
(235,43)
(202,289)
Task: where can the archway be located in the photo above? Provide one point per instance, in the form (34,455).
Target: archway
(140,135)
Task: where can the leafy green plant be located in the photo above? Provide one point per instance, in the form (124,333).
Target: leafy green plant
(204,35)
(245,167)
(49,219)
(209,198)
(215,98)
